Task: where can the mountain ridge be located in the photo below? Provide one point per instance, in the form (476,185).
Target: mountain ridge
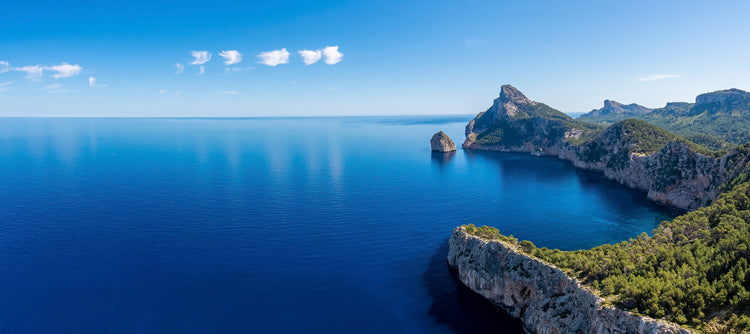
(718,119)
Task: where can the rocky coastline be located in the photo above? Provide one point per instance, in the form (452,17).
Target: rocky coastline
(545,298)
(675,175)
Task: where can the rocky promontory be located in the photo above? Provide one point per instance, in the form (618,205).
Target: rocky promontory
(671,170)
(545,298)
(440,142)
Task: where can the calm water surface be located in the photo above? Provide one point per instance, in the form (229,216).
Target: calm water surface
(271,225)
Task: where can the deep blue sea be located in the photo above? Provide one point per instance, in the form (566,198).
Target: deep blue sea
(300,225)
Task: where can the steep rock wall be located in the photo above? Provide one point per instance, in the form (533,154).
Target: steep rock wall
(675,175)
(546,299)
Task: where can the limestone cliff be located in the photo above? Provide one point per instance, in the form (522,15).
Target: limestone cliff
(634,153)
(541,295)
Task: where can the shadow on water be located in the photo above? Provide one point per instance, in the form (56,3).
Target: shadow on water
(442,158)
(457,306)
(597,183)
(550,169)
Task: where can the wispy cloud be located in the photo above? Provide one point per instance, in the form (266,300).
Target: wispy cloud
(231,57)
(310,56)
(64,70)
(178,93)
(228,70)
(161,92)
(201,57)
(228,92)
(202,70)
(654,77)
(180,68)
(92,83)
(332,54)
(5,85)
(275,57)
(57,88)
(33,72)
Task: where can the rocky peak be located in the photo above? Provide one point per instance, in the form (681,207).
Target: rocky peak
(509,93)
(724,96)
(509,102)
(613,105)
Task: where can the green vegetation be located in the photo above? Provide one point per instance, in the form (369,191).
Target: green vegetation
(693,270)
(541,126)
(615,145)
(718,125)
(643,137)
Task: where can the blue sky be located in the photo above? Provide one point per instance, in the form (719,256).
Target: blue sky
(393,57)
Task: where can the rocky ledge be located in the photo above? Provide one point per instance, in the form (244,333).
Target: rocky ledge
(440,142)
(632,152)
(545,298)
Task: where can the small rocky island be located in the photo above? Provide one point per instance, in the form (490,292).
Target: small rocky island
(440,142)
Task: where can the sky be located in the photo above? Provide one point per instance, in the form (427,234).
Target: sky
(330,58)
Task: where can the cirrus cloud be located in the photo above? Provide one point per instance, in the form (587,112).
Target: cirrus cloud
(4,66)
(275,57)
(655,77)
(58,88)
(5,85)
(180,68)
(33,72)
(231,57)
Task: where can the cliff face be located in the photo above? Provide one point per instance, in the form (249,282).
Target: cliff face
(541,295)
(734,96)
(633,153)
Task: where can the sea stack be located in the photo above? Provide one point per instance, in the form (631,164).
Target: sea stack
(440,142)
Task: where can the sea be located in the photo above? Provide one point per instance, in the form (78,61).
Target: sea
(272,225)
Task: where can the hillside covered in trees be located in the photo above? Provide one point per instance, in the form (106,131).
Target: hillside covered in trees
(693,270)
(718,120)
